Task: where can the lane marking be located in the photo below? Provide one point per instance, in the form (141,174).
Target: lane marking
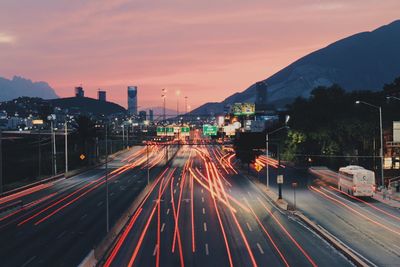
(28,261)
(206,246)
(202,199)
(260,248)
(100,203)
(162,227)
(204,211)
(205,227)
(167,211)
(61,235)
(155,250)
(111,194)
(248,226)
(174,191)
(202,191)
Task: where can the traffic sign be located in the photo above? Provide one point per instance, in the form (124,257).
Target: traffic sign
(279,179)
(185,131)
(170,131)
(258,167)
(210,130)
(82,156)
(160,131)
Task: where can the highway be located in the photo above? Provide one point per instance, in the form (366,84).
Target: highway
(60,222)
(367,226)
(202,212)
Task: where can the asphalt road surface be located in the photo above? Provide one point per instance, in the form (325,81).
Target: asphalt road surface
(202,212)
(60,222)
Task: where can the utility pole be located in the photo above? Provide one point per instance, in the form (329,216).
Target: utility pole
(107,208)
(66,146)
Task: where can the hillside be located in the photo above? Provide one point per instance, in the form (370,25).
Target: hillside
(87,105)
(364,61)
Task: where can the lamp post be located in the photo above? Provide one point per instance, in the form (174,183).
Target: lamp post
(294,185)
(107,208)
(66,146)
(1,162)
(178,93)
(381,134)
(164,96)
(39,123)
(267,147)
(52,118)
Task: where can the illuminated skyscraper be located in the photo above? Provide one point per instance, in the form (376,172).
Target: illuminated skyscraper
(132,100)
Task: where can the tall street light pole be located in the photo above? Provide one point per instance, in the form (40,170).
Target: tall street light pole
(107,207)
(267,147)
(52,118)
(66,146)
(177,102)
(381,135)
(164,96)
(1,162)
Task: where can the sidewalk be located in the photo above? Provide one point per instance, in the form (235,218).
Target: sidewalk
(393,201)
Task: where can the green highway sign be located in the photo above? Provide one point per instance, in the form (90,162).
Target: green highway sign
(210,130)
(160,131)
(170,131)
(185,131)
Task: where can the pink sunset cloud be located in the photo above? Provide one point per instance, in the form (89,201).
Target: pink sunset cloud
(206,49)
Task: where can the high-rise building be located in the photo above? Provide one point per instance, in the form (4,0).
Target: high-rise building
(132,100)
(79,92)
(151,115)
(261,97)
(102,95)
(142,115)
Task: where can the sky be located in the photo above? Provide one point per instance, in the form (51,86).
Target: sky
(206,49)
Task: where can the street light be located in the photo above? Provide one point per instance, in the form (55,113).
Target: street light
(164,96)
(52,118)
(267,144)
(381,134)
(107,207)
(294,185)
(178,93)
(39,123)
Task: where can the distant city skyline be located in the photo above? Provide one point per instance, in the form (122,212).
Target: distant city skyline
(205,49)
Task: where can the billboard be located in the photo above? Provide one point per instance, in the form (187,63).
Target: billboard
(230,130)
(396,132)
(241,109)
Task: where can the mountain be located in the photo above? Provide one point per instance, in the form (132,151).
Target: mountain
(18,86)
(364,61)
